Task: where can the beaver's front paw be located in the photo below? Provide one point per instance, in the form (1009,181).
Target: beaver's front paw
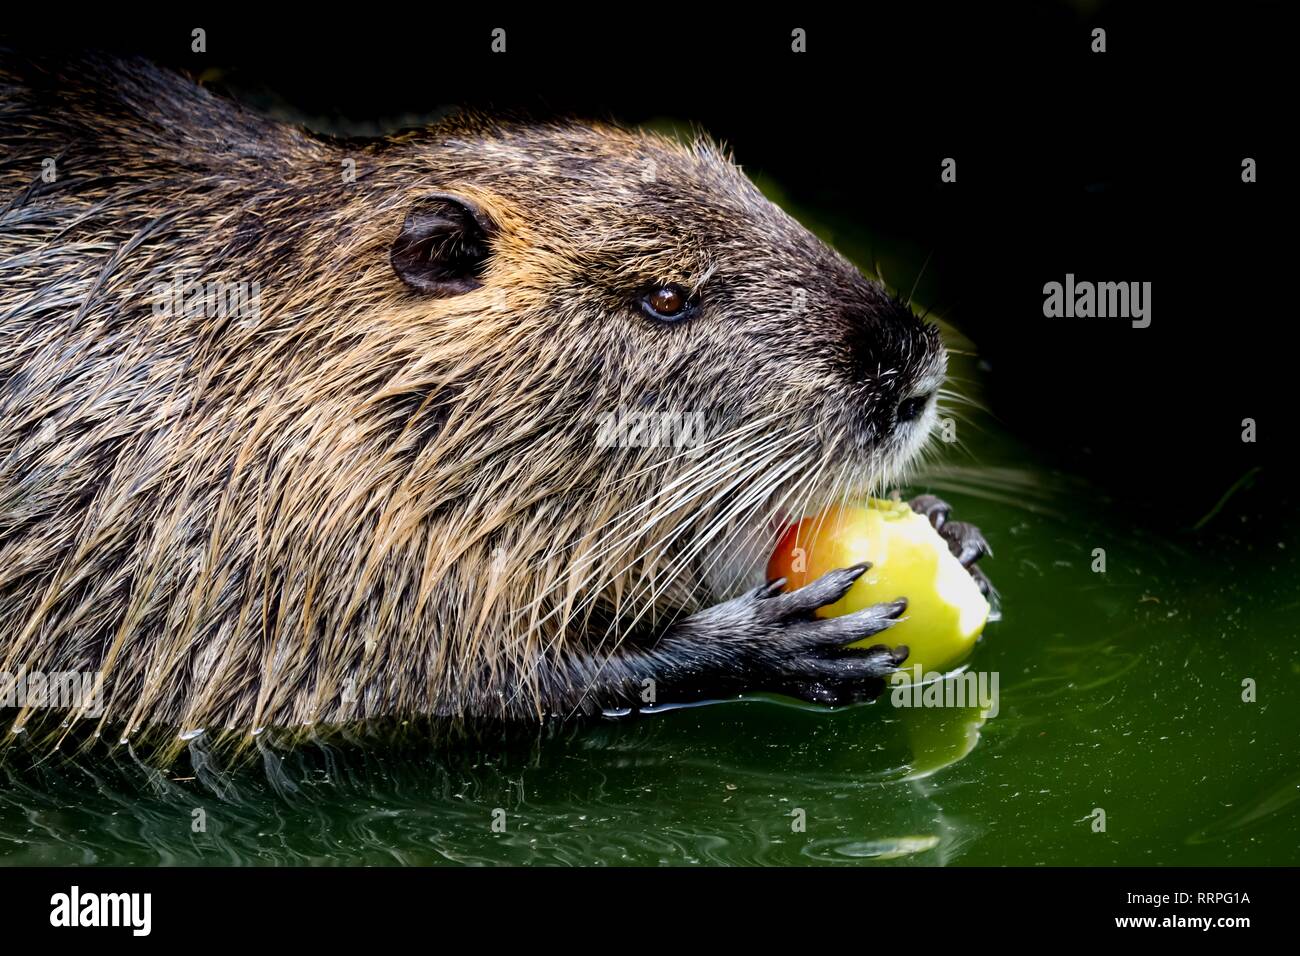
(965,541)
(775,641)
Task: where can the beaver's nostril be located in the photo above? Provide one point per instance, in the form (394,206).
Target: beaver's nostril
(910,408)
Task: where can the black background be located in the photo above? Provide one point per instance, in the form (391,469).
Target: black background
(646,909)
(1122,166)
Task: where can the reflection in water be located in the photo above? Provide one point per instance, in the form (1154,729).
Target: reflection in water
(721,784)
(939,737)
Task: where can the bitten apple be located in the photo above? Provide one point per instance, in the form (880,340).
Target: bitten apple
(945,610)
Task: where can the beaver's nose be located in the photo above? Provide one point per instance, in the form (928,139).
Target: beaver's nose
(910,408)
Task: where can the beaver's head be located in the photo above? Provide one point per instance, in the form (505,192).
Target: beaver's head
(695,354)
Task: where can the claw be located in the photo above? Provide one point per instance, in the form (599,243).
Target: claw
(837,631)
(965,541)
(827,589)
(935,509)
(858,664)
(854,675)
(883,659)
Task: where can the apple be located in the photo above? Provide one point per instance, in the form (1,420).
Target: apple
(945,610)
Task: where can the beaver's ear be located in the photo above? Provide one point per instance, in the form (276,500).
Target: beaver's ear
(443,246)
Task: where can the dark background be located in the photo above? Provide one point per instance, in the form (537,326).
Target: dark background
(1122,166)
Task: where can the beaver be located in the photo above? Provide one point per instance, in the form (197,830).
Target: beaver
(372,484)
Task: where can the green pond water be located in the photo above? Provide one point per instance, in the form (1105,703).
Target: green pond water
(1119,691)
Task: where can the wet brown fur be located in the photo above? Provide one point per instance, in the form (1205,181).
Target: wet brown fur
(368,502)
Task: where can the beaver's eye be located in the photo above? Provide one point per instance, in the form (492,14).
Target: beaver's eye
(911,408)
(669,303)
